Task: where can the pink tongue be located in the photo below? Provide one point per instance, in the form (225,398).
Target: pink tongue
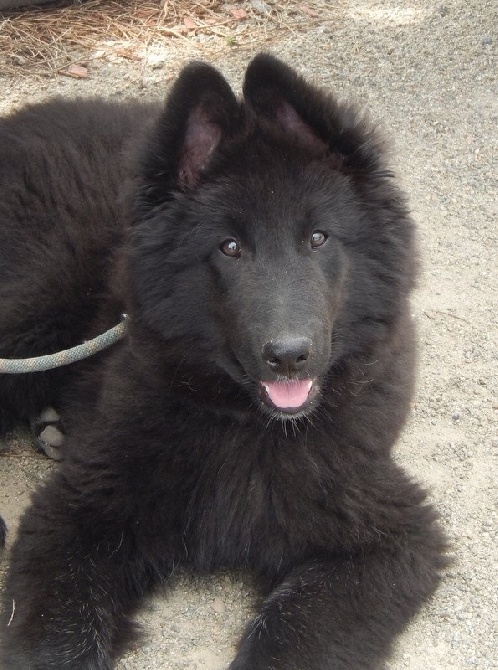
(292,393)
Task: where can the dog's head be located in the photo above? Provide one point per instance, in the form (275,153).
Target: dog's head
(270,243)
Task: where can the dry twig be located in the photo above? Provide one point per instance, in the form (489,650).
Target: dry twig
(46,40)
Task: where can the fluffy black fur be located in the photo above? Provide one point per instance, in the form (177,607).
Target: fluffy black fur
(250,242)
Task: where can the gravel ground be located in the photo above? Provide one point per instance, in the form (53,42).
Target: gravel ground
(428,71)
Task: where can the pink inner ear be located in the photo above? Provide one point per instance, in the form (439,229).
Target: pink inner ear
(291,121)
(201,139)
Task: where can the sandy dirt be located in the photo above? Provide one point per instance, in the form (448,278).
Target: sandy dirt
(427,70)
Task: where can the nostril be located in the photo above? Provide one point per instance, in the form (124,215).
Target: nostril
(273,362)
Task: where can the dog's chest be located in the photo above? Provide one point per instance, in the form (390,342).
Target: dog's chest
(256,501)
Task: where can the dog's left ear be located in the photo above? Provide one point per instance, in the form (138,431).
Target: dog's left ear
(284,99)
(277,93)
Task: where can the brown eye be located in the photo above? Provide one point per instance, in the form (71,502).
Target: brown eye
(317,239)
(230,248)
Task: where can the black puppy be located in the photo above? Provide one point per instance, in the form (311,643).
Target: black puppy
(264,255)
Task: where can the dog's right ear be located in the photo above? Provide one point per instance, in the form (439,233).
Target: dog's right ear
(200,114)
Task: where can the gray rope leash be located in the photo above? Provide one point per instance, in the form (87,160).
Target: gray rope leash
(14,366)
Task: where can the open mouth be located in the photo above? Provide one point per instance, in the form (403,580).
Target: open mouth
(291,396)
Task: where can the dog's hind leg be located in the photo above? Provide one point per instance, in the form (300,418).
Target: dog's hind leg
(47,429)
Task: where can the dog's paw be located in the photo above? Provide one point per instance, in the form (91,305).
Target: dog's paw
(49,436)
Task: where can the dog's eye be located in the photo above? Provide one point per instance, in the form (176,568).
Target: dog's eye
(230,248)
(317,239)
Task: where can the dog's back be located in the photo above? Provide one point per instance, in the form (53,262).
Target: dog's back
(62,167)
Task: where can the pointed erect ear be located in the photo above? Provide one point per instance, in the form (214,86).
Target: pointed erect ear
(279,95)
(201,113)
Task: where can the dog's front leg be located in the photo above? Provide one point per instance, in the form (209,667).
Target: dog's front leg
(74,577)
(339,614)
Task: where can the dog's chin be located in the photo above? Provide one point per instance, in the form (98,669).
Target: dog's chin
(288,404)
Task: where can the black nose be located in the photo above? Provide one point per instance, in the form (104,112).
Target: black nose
(287,356)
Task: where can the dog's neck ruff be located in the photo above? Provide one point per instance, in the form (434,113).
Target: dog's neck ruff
(16,366)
